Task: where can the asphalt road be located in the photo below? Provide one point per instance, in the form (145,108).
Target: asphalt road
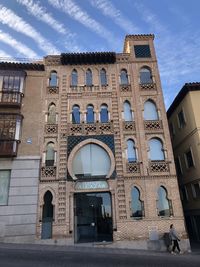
(76,257)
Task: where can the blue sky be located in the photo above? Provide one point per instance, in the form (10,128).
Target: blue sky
(33,29)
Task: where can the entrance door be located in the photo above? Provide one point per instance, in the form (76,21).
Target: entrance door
(93,217)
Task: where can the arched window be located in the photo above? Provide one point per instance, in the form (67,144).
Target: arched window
(156,149)
(90,114)
(127,111)
(164,205)
(50,154)
(103,77)
(47,216)
(91,160)
(74,78)
(131,151)
(104,113)
(137,206)
(75,114)
(145,76)
(52,114)
(53,80)
(123,77)
(150,111)
(89,77)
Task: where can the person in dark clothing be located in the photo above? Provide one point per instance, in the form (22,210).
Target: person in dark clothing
(174,237)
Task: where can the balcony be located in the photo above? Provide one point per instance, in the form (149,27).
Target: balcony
(48,173)
(133,167)
(153,125)
(90,128)
(128,126)
(51,128)
(52,90)
(10,98)
(8,148)
(148,86)
(124,88)
(159,167)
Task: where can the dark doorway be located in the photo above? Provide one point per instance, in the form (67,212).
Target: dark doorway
(47,216)
(93,217)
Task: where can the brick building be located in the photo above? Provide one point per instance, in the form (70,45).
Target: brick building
(107,171)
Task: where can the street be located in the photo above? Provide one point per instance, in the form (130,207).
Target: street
(51,256)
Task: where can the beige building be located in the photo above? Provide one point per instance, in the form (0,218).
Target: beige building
(184,122)
(107,172)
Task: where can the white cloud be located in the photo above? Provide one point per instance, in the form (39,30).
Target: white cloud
(109,10)
(35,9)
(78,14)
(15,22)
(18,46)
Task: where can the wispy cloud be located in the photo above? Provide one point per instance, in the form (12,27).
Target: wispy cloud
(18,46)
(175,52)
(78,14)
(15,22)
(109,10)
(40,12)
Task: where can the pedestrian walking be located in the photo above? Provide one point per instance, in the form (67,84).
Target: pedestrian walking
(175,239)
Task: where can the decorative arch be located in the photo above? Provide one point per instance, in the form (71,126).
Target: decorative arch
(76,114)
(128,116)
(145,75)
(164,205)
(150,110)
(74,77)
(53,79)
(88,77)
(124,77)
(90,113)
(104,113)
(50,154)
(51,118)
(103,77)
(156,150)
(131,150)
(86,142)
(137,205)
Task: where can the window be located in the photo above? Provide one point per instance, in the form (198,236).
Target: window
(91,160)
(127,111)
(50,154)
(131,151)
(150,111)
(163,204)
(145,76)
(74,78)
(178,166)
(104,113)
(75,114)
(52,114)
(181,119)
(156,149)
(53,80)
(189,159)
(171,130)
(4,186)
(90,114)
(103,77)
(196,190)
(142,51)
(89,77)
(11,83)
(137,206)
(184,193)
(123,77)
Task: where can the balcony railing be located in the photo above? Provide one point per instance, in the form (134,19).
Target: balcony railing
(159,166)
(90,128)
(133,167)
(10,98)
(52,90)
(148,86)
(128,126)
(152,125)
(48,173)
(125,88)
(51,128)
(8,148)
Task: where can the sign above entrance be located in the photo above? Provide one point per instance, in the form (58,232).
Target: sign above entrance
(91,185)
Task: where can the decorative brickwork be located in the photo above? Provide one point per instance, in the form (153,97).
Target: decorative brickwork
(129,126)
(148,86)
(153,125)
(133,167)
(52,90)
(159,166)
(48,173)
(51,128)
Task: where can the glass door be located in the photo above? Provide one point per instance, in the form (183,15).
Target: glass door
(93,217)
